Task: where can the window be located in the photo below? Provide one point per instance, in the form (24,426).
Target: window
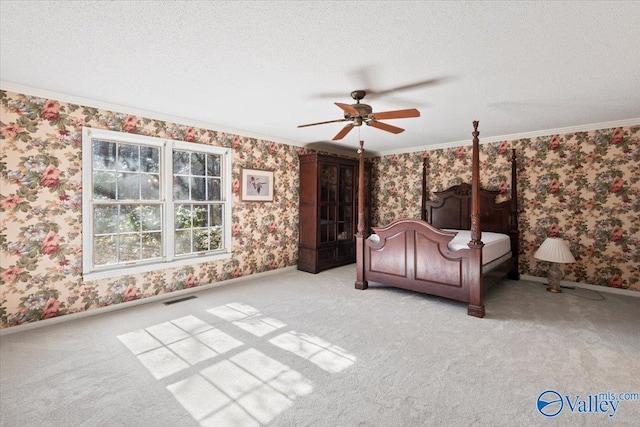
(150,203)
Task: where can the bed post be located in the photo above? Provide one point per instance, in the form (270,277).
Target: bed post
(425,188)
(476,307)
(360,282)
(513,223)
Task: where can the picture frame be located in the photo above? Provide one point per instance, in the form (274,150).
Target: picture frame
(256,185)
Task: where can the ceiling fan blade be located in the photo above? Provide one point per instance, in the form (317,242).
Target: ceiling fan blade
(345,130)
(397,114)
(384,126)
(423,83)
(348,109)
(322,123)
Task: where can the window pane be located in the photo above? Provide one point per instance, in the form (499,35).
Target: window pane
(151,218)
(128,157)
(215,215)
(129,247)
(128,186)
(200,217)
(104,250)
(213,165)
(197,163)
(150,186)
(104,155)
(183,242)
(198,189)
(104,185)
(213,189)
(215,239)
(150,159)
(105,219)
(181,162)
(180,188)
(129,218)
(151,245)
(183,216)
(200,240)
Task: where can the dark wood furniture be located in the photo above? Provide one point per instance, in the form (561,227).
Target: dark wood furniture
(413,253)
(328,207)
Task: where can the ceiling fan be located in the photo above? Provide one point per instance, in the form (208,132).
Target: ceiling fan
(358,113)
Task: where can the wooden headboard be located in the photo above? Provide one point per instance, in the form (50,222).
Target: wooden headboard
(453,210)
(453,207)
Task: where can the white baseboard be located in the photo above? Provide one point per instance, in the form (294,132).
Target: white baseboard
(607,289)
(155,298)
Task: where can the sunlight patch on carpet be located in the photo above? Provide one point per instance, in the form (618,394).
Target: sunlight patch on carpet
(247,318)
(249,388)
(220,383)
(325,355)
(170,347)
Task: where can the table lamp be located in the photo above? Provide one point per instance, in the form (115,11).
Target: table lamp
(555,251)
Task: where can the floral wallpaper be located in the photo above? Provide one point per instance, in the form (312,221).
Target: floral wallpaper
(41,211)
(583,187)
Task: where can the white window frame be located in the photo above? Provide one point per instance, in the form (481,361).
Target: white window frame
(168,259)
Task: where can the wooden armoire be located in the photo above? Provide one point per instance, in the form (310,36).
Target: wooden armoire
(329,211)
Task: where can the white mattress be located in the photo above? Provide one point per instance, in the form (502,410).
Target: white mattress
(495,244)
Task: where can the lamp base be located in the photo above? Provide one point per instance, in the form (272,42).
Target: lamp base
(554,276)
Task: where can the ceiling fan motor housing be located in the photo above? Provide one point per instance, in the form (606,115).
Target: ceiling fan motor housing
(364,112)
(358,94)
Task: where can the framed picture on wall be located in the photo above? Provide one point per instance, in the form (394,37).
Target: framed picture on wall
(256,185)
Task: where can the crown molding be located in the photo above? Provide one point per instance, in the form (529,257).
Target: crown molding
(44,93)
(516,136)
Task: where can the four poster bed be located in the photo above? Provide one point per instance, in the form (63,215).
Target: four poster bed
(443,253)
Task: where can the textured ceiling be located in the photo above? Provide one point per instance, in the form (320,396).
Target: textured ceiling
(262,68)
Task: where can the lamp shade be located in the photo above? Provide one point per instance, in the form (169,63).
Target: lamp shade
(554,249)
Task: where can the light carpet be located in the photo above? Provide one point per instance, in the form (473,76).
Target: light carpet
(296,349)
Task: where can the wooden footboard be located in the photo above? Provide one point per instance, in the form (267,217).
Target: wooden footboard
(412,254)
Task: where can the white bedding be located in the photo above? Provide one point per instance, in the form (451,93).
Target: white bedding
(496,245)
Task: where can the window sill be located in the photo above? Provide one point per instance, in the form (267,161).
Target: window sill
(124,271)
